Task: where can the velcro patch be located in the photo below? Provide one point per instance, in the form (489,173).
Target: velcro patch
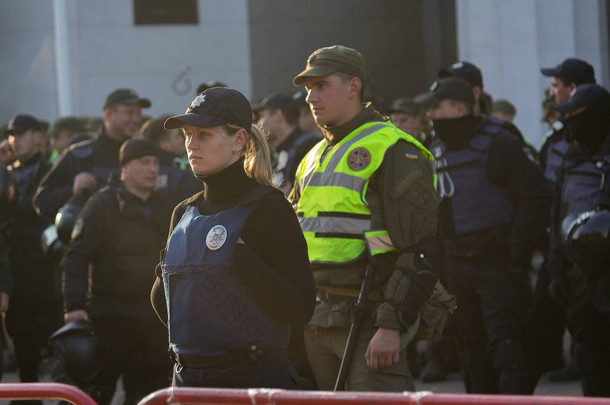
(421,195)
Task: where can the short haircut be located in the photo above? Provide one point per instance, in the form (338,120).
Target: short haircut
(154,131)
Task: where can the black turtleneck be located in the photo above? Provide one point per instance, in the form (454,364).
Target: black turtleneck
(224,189)
(273,262)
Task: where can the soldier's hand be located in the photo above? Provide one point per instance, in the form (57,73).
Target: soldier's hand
(384,349)
(83,182)
(75,315)
(4,298)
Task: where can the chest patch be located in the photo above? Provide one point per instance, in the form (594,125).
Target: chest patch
(358,159)
(217,236)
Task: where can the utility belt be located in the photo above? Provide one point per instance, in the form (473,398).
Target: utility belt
(253,353)
(333,293)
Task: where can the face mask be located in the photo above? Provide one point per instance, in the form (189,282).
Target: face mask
(591,126)
(454,132)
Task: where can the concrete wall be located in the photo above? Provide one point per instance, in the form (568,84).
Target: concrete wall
(27,62)
(402,40)
(511,40)
(165,63)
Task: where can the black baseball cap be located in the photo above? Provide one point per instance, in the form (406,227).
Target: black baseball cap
(22,123)
(584,95)
(452,88)
(464,70)
(575,70)
(213,107)
(278,100)
(127,97)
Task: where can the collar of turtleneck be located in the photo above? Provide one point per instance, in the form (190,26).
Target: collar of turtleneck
(231,183)
(334,135)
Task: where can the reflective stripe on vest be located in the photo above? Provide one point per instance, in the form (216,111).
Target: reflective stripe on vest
(332,208)
(476,203)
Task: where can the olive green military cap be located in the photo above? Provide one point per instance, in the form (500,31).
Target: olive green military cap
(331,59)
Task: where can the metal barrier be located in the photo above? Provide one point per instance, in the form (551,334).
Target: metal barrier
(62,392)
(262,396)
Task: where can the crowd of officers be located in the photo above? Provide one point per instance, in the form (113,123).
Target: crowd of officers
(440,196)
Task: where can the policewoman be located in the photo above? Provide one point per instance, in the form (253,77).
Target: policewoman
(234,275)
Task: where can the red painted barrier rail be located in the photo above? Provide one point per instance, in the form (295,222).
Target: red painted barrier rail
(62,392)
(261,396)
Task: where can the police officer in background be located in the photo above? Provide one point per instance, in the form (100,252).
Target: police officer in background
(279,115)
(548,318)
(176,181)
(35,306)
(374,183)
(493,213)
(564,79)
(119,234)
(85,167)
(483,101)
(583,288)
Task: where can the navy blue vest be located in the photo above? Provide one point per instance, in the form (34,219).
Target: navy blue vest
(210,310)
(476,203)
(585,185)
(555,158)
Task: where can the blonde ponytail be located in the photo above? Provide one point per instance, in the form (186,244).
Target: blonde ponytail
(257,162)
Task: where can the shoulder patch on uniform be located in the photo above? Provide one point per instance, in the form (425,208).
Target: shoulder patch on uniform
(358,159)
(421,195)
(409,154)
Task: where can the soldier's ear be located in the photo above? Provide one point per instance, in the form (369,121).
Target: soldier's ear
(355,86)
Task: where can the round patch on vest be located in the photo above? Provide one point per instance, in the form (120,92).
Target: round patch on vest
(359,159)
(216,237)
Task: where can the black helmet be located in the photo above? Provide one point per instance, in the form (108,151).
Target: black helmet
(66,218)
(77,346)
(588,240)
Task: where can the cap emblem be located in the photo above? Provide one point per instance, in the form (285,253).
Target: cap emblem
(457,65)
(359,159)
(197,101)
(217,236)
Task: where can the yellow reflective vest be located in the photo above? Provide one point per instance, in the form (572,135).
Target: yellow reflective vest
(332,208)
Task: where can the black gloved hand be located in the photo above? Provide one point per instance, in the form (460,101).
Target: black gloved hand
(559,288)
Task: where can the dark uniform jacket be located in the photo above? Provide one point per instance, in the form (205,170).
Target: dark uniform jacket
(288,156)
(119,236)
(33,283)
(99,156)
